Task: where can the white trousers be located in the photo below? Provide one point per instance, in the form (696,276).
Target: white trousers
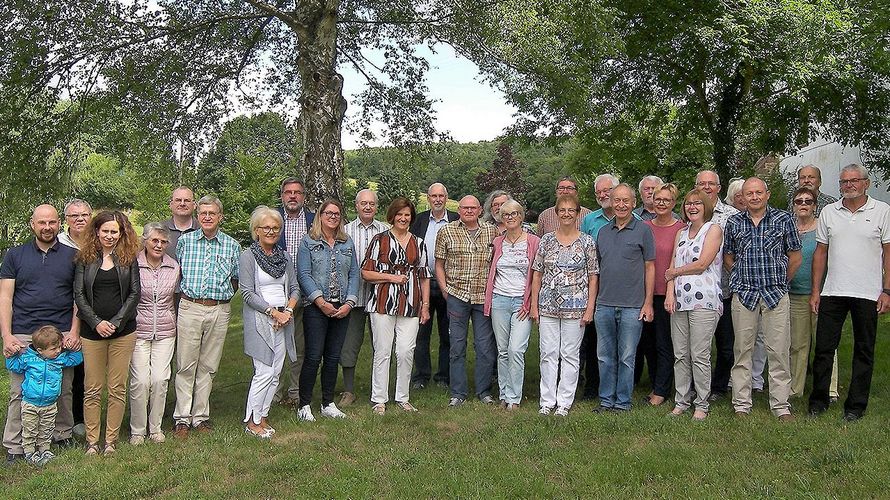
(386,331)
(560,341)
(265,382)
(149,375)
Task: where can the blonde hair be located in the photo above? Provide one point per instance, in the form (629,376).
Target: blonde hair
(315,231)
(260,214)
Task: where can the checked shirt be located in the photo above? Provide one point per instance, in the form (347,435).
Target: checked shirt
(208,265)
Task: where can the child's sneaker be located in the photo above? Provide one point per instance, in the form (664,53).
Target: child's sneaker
(46,457)
(33,458)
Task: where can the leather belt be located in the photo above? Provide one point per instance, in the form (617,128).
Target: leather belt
(205,302)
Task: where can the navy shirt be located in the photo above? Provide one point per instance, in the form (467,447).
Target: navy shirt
(760,270)
(623,254)
(44,286)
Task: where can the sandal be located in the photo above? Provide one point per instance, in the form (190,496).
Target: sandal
(92,450)
(379,409)
(699,415)
(260,434)
(405,405)
(109,450)
(677,411)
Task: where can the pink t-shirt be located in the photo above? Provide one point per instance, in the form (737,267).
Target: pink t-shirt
(665,236)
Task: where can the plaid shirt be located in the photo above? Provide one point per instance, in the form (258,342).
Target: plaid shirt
(467,259)
(362,235)
(294,230)
(208,265)
(548,221)
(760,270)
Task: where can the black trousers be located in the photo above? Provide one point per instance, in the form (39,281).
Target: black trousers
(658,351)
(423,368)
(590,363)
(724,337)
(832,314)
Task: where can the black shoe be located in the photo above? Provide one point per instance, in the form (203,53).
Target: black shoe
(418,385)
(716,396)
(851,416)
(12,458)
(444,383)
(65,443)
(815,411)
(603,409)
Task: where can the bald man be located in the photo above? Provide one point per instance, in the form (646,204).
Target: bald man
(761,248)
(463,257)
(37,289)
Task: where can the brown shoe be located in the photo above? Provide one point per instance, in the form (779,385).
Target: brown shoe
(180,431)
(742,414)
(204,427)
(288,402)
(786,418)
(347,398)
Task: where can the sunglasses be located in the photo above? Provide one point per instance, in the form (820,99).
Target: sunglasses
(802,201)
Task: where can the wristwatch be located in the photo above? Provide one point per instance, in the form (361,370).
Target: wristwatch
(886,290)
(289,309)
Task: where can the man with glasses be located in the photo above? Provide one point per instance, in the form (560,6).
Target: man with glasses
(708,182)
(548,220)
(809,176)
(77,215)
(297,221)
(426,226)
(209,266)
(853,255)
(463,257)
(37,289)
(361,230)
(182,219)
(761,248)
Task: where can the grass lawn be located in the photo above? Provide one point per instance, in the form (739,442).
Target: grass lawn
(478,451)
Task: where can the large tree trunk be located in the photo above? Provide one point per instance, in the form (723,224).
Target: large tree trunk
(729,112)
(322,106)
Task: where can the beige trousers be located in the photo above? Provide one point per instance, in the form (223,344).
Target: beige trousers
(106,363)
(149,376)
(803,329)
(201,334)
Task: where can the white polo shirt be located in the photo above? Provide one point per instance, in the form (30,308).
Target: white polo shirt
(854,242)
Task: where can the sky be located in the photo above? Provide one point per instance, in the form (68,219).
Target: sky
(468,109)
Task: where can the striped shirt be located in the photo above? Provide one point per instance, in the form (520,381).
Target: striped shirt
(467,259)
(385,255)
(208,265)
(548,221)
(361,235)
(294,230)
(760,251)
(722,213)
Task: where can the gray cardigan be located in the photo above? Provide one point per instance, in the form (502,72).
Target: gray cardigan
(257,341)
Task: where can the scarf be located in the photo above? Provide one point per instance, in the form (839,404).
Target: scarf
(274,265)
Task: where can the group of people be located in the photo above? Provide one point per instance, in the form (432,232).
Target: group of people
(611,290)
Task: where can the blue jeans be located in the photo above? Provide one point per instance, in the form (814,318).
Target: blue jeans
(459,313)
(618,333)
(511,336)
(324,340)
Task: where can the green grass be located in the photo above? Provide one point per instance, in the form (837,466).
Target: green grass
(480,451)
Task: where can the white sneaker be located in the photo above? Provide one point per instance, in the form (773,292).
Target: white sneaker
(157,437)
(562,411)
(137,440)
(331,411)
(305,414)
(545,410)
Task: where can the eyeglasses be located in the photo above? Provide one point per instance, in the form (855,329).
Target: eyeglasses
(566,188)
(565,210)
(707,184)
(367,204)
(207,215)
(292,192)
(77,216)
(330,214)
(510,215)
(804,201)
(270,230)
(663,201)
(845,182)
(468,209)
(182,200)
(693,204)
(155,242)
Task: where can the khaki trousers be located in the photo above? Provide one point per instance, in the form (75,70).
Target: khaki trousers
(776,329)
(149,375)
(803,329)
(12,431)
(37,426)
(201,334)
(106,363)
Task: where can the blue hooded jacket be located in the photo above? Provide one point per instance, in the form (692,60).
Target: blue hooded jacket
(43,377)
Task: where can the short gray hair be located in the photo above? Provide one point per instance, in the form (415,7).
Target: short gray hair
(76,201)
(376,200)
(735,185)
(654,178)
(152,227)
(633,194)
(209,199)
(856,167)
(260,214)
(610,177)
(511,205)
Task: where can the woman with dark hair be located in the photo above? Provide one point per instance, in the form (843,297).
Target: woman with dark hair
(155,335)
(329,277)
(399,302)
(695,300)
(106,291)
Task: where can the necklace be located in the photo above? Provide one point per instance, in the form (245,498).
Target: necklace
(517,240)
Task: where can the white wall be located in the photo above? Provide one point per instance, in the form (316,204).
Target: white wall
(831,157)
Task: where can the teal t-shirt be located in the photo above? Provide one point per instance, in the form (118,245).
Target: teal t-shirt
(803,280)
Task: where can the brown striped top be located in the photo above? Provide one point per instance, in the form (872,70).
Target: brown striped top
(385,255)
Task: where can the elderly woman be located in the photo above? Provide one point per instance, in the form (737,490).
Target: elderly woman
(734,196)
(155,335)
(106,291)
(491,209)
(664,231)
(508,300)
(695,301)
(329,277)
(563,298)
(270,290)
(399,301)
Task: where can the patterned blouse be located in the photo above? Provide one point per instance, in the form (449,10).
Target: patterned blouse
(698,291)
(385,255)
(565,276)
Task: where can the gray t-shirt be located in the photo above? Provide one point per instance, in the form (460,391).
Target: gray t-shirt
(512,269)
(623,255)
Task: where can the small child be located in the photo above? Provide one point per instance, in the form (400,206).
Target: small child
(41,364)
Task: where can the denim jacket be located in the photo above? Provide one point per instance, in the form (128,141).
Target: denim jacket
(314,269)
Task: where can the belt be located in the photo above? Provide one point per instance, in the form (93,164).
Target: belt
(205,302)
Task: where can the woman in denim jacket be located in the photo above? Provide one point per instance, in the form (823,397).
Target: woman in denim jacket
(328,272)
